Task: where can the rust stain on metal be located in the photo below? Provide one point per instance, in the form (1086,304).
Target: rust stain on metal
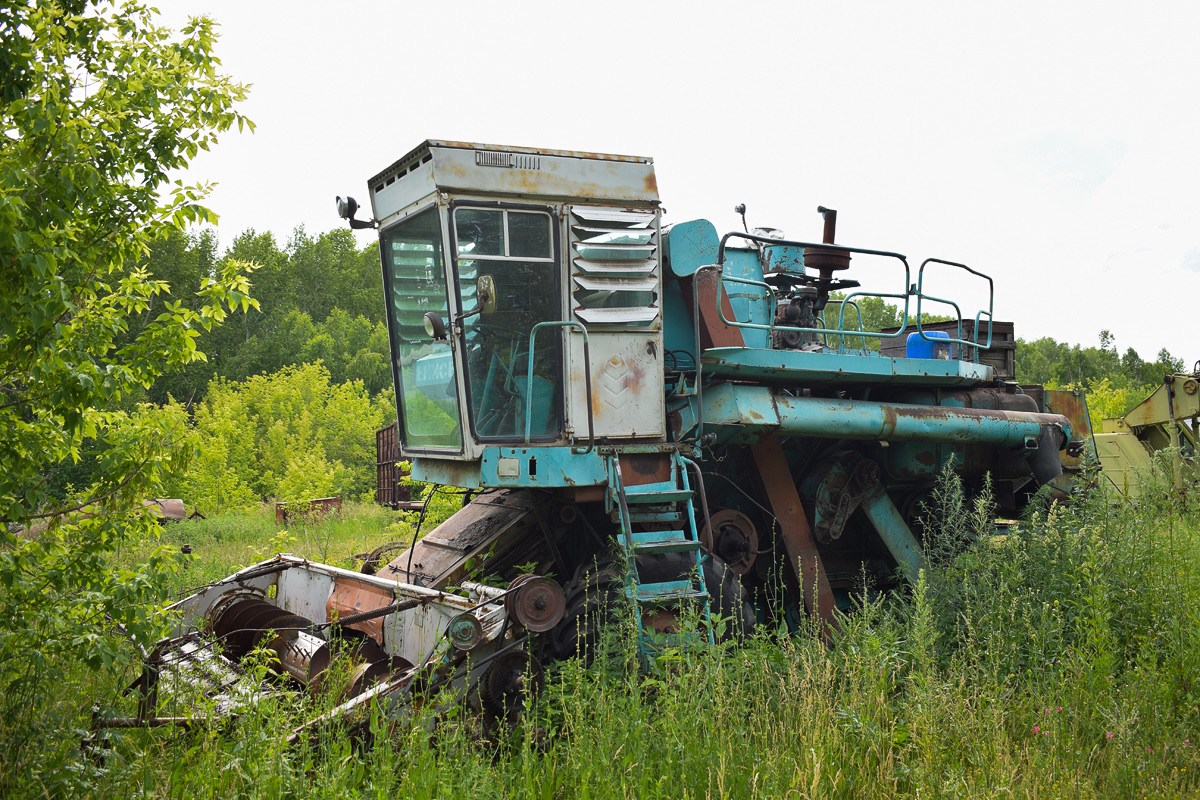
(349,598)
(889,422)
(538,151)
(617,381)
(714,332)
(585,494)
(924,457)
(1073,406)
(641,468)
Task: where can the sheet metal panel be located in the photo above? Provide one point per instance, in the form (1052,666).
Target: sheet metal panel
(626,385)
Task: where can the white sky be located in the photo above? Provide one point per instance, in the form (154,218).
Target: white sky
(1053,146)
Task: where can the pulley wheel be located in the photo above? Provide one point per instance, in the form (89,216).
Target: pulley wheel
(465,631)
(732,536)
(510,599)
(537,603)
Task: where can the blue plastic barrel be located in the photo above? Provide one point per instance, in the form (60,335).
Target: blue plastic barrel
(917,347)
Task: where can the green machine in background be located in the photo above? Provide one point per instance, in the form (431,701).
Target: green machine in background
(1166,421)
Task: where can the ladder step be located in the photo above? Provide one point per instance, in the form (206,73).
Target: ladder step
(647,514)
(657,497)
(651,542)
(668,590)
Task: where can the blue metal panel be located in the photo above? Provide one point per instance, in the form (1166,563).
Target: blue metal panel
(690,245)
(749,303)
(542,466)
(686,247)
(785,258)
(464,474)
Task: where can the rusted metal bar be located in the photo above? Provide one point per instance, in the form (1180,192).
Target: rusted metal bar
(830,216)
(353,619)
(797,535)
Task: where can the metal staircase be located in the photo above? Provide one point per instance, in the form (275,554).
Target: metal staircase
(657,519)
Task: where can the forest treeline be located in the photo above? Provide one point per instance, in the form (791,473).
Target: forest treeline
(320,298)
(261,425)
(287,401)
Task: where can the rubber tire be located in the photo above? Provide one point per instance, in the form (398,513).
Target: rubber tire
(596,587)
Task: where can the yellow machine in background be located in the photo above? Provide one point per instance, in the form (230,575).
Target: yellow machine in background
(1167,419)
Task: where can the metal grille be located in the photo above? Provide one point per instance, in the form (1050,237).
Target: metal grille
(389,470)
(490,158)
(614,266)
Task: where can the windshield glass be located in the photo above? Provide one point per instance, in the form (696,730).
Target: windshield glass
(415,281)
(513,250)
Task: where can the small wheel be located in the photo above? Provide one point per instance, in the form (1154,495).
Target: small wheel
(509,682)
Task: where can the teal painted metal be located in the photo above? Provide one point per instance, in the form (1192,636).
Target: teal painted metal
(643,504)
(797,367)
(541,466)
(767,325)
(864,419)
(689,245)
(783,353)
(463,474)
(746,414)
(894,531)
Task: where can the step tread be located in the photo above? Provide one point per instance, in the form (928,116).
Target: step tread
(670,546)
(648,537)
(668,590)
(657,496)
(638,515)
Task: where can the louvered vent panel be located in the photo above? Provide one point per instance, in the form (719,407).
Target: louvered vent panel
(615,277)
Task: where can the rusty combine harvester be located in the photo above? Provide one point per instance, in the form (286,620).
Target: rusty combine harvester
(657,412)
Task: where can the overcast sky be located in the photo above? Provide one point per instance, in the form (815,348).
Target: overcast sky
(1055,147)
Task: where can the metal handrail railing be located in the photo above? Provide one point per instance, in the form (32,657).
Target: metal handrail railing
(974,345)
(841,330)
(587,371)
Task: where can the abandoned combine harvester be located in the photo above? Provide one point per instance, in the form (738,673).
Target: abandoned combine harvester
(662,412)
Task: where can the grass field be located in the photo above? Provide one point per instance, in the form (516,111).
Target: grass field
(1058,661)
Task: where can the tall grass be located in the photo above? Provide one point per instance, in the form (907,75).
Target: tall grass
(1056,661)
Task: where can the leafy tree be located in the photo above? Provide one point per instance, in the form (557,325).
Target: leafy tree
(98,106)
(1114,383)
(330,271)
(291,435)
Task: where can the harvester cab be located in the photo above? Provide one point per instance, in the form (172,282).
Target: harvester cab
(524,304)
